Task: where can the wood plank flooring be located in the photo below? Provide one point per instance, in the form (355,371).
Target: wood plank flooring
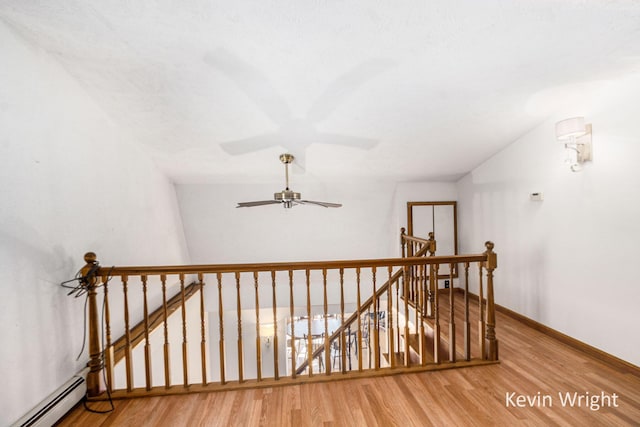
(533,365)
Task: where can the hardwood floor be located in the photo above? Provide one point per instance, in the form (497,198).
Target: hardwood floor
(514,392)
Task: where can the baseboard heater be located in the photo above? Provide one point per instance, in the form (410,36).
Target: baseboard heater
(58,403)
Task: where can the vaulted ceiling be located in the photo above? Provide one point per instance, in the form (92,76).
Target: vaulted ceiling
(402,90)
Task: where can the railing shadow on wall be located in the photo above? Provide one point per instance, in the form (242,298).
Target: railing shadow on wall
(222,327)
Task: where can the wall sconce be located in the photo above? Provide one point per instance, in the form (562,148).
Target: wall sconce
(267,331)
(576,137)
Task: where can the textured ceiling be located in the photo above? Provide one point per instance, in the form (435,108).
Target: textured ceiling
(401,90)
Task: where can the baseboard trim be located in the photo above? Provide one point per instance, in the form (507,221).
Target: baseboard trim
(611,360)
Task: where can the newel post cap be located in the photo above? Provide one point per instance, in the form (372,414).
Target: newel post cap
(90,257)
(492,257)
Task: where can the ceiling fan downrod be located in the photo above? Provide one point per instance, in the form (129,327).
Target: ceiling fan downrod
(286,159)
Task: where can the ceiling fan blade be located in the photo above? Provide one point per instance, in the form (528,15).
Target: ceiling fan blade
(257,203)
(323,204)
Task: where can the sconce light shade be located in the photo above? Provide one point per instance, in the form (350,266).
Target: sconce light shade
(570,128)
(267,330)
(576,137)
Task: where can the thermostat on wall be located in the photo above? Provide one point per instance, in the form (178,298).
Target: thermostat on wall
(537,197)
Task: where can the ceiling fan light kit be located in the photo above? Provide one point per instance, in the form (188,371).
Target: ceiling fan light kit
(287,197)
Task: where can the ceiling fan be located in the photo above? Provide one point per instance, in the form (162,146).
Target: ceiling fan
(287,197)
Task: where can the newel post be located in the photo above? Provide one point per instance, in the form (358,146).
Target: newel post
(403,242)
(432,243)
(490,337)
(95,383)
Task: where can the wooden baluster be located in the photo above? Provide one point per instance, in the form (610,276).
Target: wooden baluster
(403,245)
(258,341)
(418,279)
(410,248)
(481,330)
(185,356)
(327,352)
(492,342)
(359,311)
(376,326)
(452,318)
(426,309)
(411,274)
(221,330)
(203,339)
(433,289)
(276,370)
(433,284)
(309,334)
(415,276)
(419,299)
(407,360)
(405,293)
(397,331)
(294,355)
(467,325)
(240,347)
(426,295)
(436,314)
(95,384)
(165,317)
(391,350)
(343,338)
(432,243)
(127,334)
(420,333)
(369,345)
(109,347)
(147,346)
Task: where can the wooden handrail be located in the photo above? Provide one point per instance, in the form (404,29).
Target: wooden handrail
(416,239)
(286,266)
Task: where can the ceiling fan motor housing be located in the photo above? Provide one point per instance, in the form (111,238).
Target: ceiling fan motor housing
(286,196)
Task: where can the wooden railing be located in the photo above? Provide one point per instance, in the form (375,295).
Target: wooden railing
(279,323)
(415,246)
(418,247)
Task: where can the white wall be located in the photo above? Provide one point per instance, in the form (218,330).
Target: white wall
(567,262)
(366,226)
(70,183)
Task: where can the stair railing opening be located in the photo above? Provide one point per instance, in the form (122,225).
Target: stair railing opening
(193,328)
